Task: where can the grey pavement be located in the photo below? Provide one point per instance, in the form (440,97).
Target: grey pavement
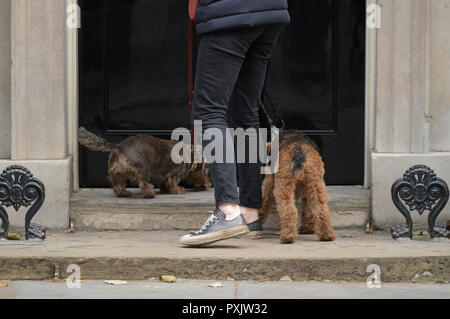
(185,289)
(142,255)
(129,244)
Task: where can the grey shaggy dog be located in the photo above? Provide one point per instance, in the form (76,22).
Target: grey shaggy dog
(143,160)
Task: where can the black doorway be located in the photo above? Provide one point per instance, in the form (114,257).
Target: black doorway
(133,77)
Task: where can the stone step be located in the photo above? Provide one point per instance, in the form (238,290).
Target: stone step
(100,209)
(139,255)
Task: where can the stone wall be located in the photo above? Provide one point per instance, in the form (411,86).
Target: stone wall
(39,115)
(37,68)
(5,79)
(440,76)
(412,112)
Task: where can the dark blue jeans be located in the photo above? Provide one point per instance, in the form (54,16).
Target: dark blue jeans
(230,76)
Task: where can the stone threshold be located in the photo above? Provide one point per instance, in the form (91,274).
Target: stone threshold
(140,255)
(100,209)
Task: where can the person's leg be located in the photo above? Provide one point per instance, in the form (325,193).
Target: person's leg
(244,113)
(220,58)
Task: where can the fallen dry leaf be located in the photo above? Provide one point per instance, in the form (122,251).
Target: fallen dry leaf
(421,233)
(56,280)
(115,282)
(286,278)
(168,279)
(264,280)
(14,236)
(216,285)
(3,285)
(54,235)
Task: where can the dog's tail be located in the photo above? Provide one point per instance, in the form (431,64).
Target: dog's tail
(298,160)
(94,142)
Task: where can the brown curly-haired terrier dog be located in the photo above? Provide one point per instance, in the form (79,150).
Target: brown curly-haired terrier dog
(143,159)
(300,175)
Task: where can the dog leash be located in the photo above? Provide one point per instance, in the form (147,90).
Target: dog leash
(275,120)
(192,11)
(278,122)
(191,65)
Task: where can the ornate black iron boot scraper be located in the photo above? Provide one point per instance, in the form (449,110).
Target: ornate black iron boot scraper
(19,188)
(420,190)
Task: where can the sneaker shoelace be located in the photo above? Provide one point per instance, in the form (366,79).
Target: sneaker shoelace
(208,223)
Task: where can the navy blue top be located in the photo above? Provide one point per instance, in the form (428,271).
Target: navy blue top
(217,15)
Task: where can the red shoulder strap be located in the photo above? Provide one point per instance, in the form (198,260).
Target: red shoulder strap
(192,4)
(192,9)
(191,63)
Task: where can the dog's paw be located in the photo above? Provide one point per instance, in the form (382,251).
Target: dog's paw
(288,238)
(124,194)
(329,237)
(176,190)
(148,194)
(180,190)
